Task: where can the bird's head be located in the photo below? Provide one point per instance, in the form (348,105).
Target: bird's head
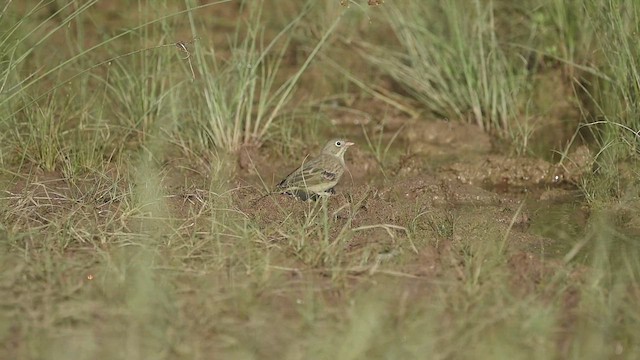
(337,147)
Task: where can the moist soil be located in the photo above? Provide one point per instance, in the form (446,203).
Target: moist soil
(442,182)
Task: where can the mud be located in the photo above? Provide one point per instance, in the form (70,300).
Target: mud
(444,183)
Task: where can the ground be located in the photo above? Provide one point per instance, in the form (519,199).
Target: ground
(130,231)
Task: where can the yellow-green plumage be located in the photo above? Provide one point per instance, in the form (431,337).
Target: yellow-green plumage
(319,175)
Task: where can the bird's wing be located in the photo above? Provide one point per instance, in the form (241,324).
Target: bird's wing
(311,173)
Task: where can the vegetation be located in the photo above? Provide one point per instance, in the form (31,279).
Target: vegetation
(133,135)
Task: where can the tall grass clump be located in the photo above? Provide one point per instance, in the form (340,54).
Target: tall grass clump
(31,120)
(612,100)
(452,60)
(72,110)
(239,96)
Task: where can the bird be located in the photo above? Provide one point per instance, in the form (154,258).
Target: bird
(319,175)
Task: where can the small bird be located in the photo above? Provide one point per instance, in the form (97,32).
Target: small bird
(317,176)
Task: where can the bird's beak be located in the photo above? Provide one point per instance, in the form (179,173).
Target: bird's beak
(349,143)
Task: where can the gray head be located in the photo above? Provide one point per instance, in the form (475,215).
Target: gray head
(337,147)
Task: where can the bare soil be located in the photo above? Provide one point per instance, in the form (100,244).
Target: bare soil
(444,182)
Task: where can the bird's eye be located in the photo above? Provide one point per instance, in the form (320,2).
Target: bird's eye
(338,143)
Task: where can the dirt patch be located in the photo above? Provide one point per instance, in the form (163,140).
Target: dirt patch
(448,139)
(522,173)
(419,210)
(45,198)
(444,186)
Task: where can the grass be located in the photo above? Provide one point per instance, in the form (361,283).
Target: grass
(614,121)
(127,229)
(455,67)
